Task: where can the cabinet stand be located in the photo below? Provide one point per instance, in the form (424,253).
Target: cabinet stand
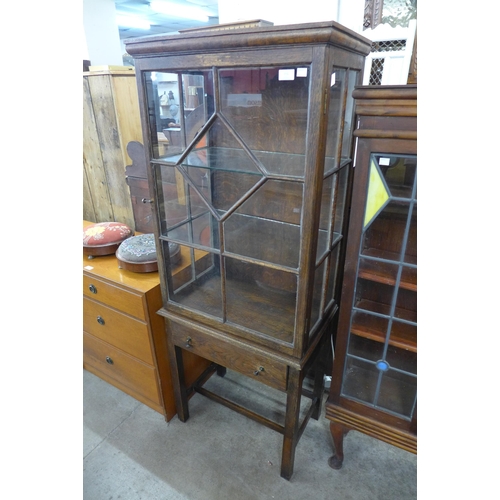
(293,428)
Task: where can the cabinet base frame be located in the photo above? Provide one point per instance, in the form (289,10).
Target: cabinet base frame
(293,429)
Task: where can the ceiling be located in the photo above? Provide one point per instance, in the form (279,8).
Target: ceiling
(164,23)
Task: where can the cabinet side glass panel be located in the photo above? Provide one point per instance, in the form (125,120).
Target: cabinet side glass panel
(335,122)
(381,360)
(353,79)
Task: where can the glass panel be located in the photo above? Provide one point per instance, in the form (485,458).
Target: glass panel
(384,237)
(184,215)
(337,80)
(352,79)
(316,312)
(369,326)
(173,198)
(398,392)
(196,281)
(267,106)
(382,348)
(399,174)
(261,298)
(404,336)
(340,198)
(267,225)
(406,305)
(329,185)
(179,104)
(411,245)
(374,297)
(332,279)
(379,271)
(362,347)
(378,194)
(360,380)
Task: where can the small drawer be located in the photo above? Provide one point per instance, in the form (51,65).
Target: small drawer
(114,296)
(122,331)
(237,358)
(121,367)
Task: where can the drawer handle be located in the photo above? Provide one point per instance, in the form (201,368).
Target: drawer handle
(92,288)
(188,342)
(109,360)
(145,200)
(100,320)
(257,372)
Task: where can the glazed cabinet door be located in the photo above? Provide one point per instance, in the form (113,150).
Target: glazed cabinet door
(231,189)
(380,368)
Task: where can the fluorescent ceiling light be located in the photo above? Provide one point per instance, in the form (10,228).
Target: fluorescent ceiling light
(176,10)
(132,22)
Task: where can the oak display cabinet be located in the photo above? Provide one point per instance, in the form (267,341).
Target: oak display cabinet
(374,378)
(254,190)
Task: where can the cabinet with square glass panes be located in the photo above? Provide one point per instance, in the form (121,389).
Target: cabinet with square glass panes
(252,183)
(374,378)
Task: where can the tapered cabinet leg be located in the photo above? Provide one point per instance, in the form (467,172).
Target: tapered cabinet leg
(178,382)
(338,432)
(291,423)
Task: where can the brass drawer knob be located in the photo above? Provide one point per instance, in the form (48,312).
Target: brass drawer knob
(100,320)
(92,288)
(188,342)
(109,360)
(257,372)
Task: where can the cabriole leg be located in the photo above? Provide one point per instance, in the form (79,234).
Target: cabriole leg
(338,432)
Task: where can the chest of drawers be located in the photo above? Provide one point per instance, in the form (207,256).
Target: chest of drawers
(123,337)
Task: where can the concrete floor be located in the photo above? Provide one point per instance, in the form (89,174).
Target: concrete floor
(131,453)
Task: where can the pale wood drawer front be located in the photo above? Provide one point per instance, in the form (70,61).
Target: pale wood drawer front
(244,361)
(113,296)
(121,367)
(120,330)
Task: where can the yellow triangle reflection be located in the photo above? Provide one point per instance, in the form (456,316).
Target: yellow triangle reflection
(377,194)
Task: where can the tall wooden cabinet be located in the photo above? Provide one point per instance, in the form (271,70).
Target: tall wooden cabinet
(110,121)
(254,191)
(374,379)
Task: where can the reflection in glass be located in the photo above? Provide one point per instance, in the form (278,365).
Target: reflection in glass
(180,103)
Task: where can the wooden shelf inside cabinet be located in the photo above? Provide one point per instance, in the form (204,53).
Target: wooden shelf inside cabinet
(124,337)
(403,335)
(408,279)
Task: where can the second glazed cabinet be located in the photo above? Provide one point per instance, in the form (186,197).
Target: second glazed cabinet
(374,379)
(254,190)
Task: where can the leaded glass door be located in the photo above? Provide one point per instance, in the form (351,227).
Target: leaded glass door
(381,359)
